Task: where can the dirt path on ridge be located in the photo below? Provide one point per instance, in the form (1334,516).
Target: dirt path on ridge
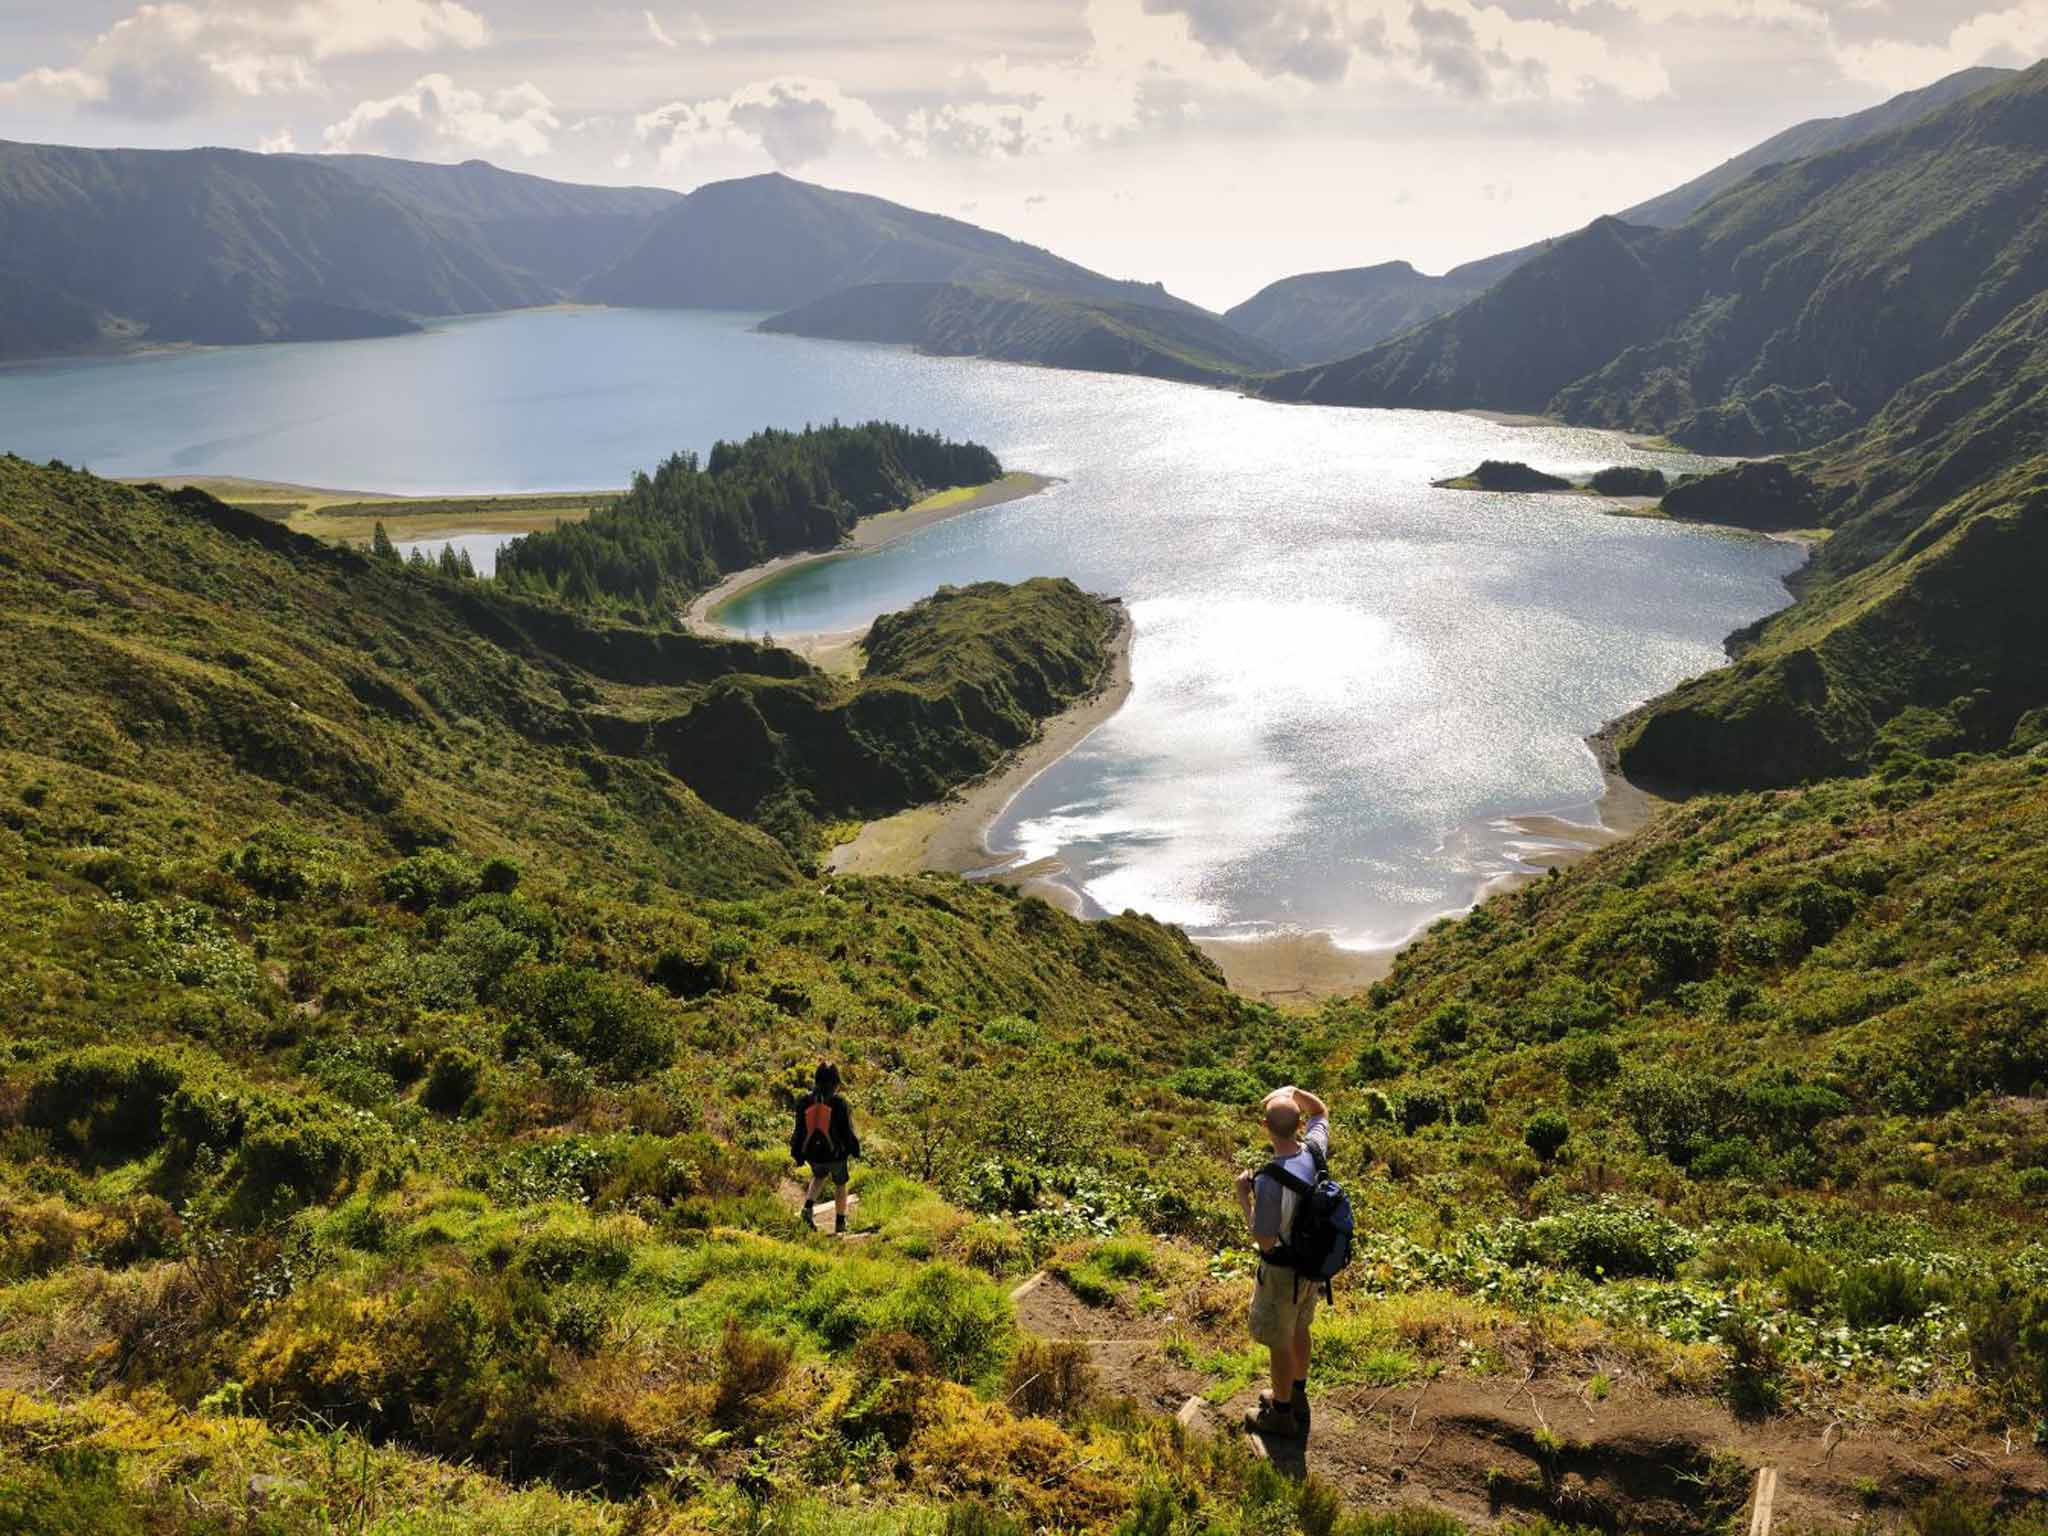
(1490,1449)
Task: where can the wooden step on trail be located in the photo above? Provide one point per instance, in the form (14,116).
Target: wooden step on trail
(1760,1508)
(1026,1286)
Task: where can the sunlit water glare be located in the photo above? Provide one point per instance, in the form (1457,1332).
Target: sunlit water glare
(1343,680)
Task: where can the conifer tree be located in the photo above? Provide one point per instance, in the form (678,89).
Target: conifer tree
(381,545)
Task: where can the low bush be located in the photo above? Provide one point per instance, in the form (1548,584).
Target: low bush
(611,1023)
(1546,1133)
(433,878)
(103,1104)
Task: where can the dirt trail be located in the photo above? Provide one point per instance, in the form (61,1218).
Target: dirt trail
(1490,1449)
(822,1213)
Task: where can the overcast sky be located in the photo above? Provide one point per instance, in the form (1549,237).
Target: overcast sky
(1213,144)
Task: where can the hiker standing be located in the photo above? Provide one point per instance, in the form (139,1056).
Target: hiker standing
(1297,1125)
(824,1139)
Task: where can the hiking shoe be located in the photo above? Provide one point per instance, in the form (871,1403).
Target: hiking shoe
(839,1223)
(807,1218)
(1299,1403)
(1273,1420)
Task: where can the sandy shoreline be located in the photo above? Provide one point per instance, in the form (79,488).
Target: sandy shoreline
(952,834)
(869,533)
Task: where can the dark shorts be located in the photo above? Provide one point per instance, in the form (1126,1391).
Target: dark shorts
(836,1172)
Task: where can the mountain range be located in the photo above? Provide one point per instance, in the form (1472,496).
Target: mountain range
(106,249)
(1319,316)
(1787,311)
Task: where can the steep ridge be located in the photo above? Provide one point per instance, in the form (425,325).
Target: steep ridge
(1916,624)
(222,247)
(1786,312)
(1321,316)
(1010,325)
(558,232)
(772,243)
(1940,647)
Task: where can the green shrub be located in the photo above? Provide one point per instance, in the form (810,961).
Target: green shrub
(1422,1107)
(287,865)
(1807,1283)
(1677,947)
(451,1080)
(612,1023)
(296,1153)
(77,1491)
(1546,1133)
(1590,1061)
(1674,1113)
(104,1103)
(1888,1291)
(498,877)
(1216,1085)
(434,878)
(1755,1379)
(1376,1064)
(1605,1240)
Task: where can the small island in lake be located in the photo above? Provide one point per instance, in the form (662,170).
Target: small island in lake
(1505,475)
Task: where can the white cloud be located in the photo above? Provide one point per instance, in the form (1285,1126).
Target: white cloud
(793,119)
(330,29)
(659,33)
(45,85)
(278,143)
(438,119)
(2015,35)
(175,58)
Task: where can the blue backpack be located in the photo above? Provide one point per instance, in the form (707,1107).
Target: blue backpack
(1318,1246)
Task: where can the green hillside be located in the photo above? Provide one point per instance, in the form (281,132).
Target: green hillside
(1013,325)
(222,247)
(773,243)
(398,1057)
(109,247)
(676,531)
(1318,316)
(1787,311)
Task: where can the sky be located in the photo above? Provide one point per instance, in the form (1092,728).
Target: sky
(1214,145)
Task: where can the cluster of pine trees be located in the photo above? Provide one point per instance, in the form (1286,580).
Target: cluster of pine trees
(452,562)
(678,530)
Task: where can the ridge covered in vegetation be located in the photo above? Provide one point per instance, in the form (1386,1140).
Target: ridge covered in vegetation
(397,1064)
(1787,311)
(675,532)
(1319,316)
(1017,325)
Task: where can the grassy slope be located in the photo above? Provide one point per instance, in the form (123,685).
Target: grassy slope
(484,1167)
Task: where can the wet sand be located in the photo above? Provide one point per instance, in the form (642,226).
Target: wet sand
(952,835)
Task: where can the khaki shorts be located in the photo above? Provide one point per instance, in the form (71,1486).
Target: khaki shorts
(1282,1303)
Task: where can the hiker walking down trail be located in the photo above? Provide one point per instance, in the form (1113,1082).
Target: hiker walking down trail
(1301,1222)
(824,1139)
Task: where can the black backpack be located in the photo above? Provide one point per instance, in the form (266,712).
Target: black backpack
(1318,1245)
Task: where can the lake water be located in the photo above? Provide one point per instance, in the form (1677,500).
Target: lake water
(1344,681)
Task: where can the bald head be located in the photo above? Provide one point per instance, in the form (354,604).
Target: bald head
(1283,1119)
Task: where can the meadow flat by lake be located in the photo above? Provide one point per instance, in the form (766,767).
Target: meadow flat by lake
(1344,680)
